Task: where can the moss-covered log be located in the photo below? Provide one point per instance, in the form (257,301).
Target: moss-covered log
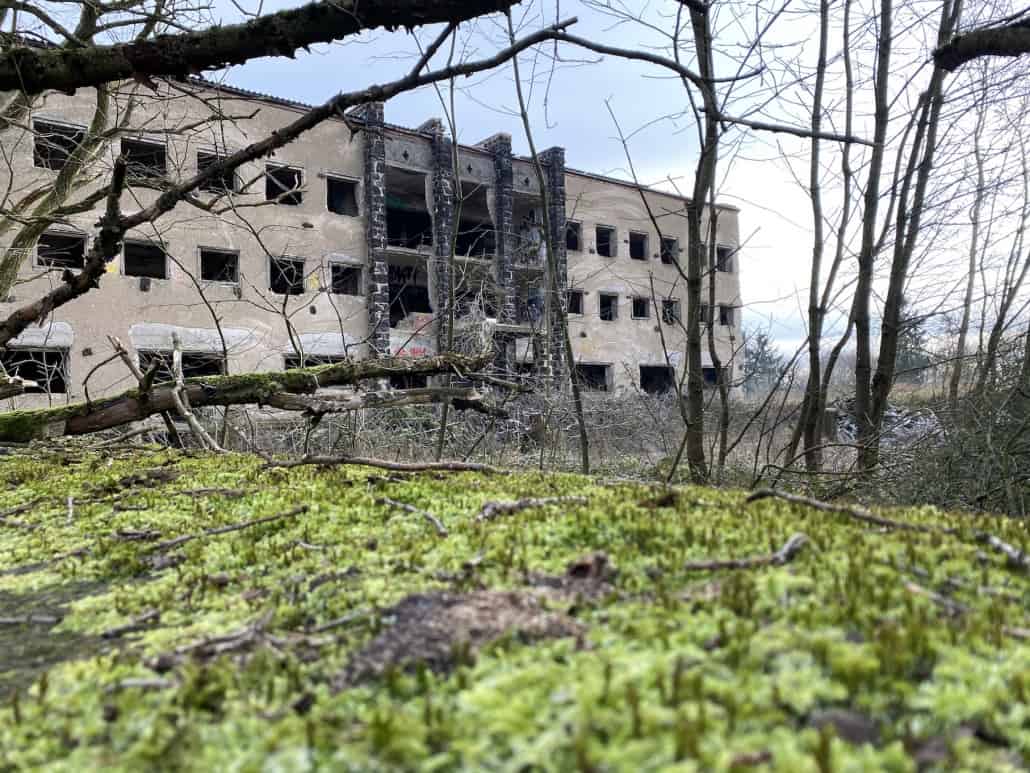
(246,389)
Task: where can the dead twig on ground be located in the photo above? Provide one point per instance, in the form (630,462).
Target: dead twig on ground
(1015,558)
(492,510)
(179,541)
(852,511)
(790,550)
(333,461)
(30,620)
(138,624)
(957,608)
(7,520)
(436,522)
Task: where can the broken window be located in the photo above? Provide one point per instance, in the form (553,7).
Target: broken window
(641,308)
(223,181)
(670,311)
(637,245)
(656,379)
(346,280)
(408,381)
(54,144)
(608,306)
(573,236)
(606,241)
(291,361)
(574,301)
(705,317)
(724,259)
(283,184)
(409,293)
(710,375)
(145,259)
(592,377)
(144,160)
(47,367)
(194,364)
(61,250)
(286,275)
(341,196)
(219,265)
(475,236)
(408,223)
(670,250)
(725,315)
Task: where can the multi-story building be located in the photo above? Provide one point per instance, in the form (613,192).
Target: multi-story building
(340,245)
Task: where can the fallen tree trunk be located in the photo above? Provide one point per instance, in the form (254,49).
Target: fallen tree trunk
(246,389)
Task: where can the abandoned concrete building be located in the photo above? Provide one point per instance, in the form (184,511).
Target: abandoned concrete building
(339,245)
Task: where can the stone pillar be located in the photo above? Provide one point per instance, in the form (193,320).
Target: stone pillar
(499,146)
(553,162)
(443,192)
(375,217)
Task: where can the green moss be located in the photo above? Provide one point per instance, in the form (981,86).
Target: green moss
(680,670)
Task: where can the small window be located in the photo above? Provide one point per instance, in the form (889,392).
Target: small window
(724,259)
(341,196)
(606,241)
(637,245)
(346,280)
(286,275)
(408,381)
(573,236)
(574,301)
(608,306)
(282,185)
(641,308)
(54,144)
(592,377)
(710,375)
(670,250)
(705,317)
(144,160)
(656,379)
(194,364)
(222,182)
(145,259)
(47,367)
(291,361)
(670,311)
(61,250)
(219,265)
(726,315)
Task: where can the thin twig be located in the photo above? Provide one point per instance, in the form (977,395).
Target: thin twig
(1016,558)
(858,513)
(958,608)
(790,550)
(436,522)
(332,461)
(492,510)
(137,624)
(174,543)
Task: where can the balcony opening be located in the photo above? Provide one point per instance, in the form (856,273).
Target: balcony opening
(408,222)
(573,236)
(48,368)
(219,265)
(605,238)
(345,280)
(670,250)
(409,381)
(657,379)
(221,182)
(194,364)
(725,315)
(409,293)
(608,306)
(574,301)
(528,222)
(341,196)
(61,250)
(637,245)
(54,144)
(144,160)
(592,377)
(475,237)
(641,308)
(283,184)
(145,259)
(286,275)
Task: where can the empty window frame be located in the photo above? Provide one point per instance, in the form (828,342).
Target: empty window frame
(657,379)
(641,308)
(219,265)
(710,375)
(194,364)
(345,279)
(144,259)
(724,259)
(48,368)
(144,159)
(705,316)
(408,381)
(574,301)
(637,245)
(283,184)
(223,181)
(54,143)
(670,250)
(592,377)
(341,196)
(670,311)
(61,250)
(573,236)
(726,315)
(605,238)
(608,306)
(291,361)
(286,275)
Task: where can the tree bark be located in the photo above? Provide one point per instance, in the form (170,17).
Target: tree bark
(1010,40)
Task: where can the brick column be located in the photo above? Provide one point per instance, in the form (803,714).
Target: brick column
(443,191)
(375,217)
(553,161)
(499,147)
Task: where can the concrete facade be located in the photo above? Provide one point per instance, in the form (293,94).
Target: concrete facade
(372,222)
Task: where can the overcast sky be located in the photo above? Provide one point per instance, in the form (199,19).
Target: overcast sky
(774,216)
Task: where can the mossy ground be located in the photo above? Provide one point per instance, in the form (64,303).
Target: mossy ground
(737,669)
